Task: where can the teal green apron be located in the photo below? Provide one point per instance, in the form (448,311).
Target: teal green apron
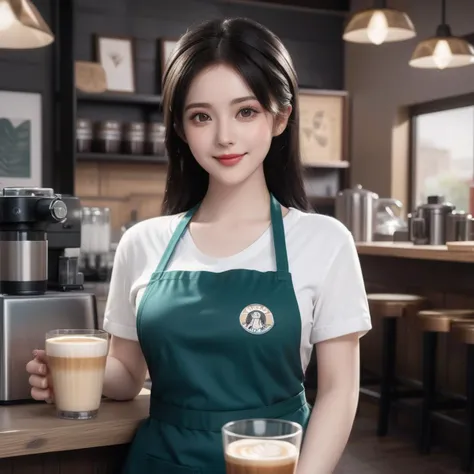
(219,347)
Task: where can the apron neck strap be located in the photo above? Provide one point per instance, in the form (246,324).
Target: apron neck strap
(177,234)
(277,228)
(279,240)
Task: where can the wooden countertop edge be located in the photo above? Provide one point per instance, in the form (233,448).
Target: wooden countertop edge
(421,252)
(34,429)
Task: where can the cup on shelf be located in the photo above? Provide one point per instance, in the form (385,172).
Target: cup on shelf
(155,138)
(96,230)
(109,136)
(134,138)
(84,135)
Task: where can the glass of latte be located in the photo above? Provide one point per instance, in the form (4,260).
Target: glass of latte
(261,446)
(76,361)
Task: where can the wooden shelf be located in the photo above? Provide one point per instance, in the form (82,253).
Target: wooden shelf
(322,200)
(122,99)
(327,164)
(121,157)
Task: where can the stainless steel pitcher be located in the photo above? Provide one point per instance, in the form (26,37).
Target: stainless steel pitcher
(357,207)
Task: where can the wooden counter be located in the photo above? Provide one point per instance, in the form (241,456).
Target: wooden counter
(446,279)
(28,432)
(409,250)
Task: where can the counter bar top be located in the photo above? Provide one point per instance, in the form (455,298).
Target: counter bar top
(33,428)
(409,250)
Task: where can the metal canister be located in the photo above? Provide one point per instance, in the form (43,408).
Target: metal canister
(134,138)
(109,136)
(84,135)
(434,213)
(458,226)
(155,138)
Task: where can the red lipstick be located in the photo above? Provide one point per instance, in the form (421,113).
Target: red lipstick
(230,159)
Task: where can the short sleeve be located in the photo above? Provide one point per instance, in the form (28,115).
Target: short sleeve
(119,317)
(342,307)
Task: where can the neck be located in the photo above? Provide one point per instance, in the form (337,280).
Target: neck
(249,200)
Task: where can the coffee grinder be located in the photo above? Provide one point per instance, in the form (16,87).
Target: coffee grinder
(41,288)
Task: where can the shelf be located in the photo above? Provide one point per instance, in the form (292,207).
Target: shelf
(122,99)
(322,200)
(121,158)
(327,164)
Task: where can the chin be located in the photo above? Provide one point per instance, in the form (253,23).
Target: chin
(230,176)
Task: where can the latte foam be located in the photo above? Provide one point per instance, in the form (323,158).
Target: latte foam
(77,365)
(262,452)
(76,346)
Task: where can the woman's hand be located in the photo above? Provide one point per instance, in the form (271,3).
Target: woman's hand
(40,380)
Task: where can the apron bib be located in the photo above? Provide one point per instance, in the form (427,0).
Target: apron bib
(219,347)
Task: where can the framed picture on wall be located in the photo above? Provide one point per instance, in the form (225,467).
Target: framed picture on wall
(20,139)
(323,126)
(117,57)
(165,48)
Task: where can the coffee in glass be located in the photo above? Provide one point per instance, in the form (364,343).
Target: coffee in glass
(261,446)
(76,361)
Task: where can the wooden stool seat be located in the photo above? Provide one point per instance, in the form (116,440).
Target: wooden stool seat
(442,320)
(464,331)
(460,323)
(395,305)
(390,307)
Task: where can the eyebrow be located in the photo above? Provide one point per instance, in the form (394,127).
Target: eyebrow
(207,105)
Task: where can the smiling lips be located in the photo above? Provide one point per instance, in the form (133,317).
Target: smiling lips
(229,160)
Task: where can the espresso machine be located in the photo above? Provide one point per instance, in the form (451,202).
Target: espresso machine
(40,285)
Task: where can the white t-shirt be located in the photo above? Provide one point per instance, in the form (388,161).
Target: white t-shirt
(322,258)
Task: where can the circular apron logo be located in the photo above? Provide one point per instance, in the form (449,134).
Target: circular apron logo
(256,319)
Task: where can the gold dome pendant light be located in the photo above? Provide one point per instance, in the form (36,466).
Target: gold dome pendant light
(444,50)
(379,25)
(22,26)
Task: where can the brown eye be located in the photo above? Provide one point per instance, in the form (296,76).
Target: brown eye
(200,117)
(248,112)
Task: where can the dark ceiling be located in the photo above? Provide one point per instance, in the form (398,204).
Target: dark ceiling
(340,6)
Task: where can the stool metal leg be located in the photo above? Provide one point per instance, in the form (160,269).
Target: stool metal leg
(429,388)
(469,446)
(388,373)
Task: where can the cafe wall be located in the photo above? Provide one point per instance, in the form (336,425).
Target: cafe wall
(31,71)
(313,39)
(382,85)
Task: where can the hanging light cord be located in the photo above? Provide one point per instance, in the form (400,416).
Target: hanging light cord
(443,12)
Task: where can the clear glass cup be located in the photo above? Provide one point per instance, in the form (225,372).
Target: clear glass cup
(76,360)
(261,446)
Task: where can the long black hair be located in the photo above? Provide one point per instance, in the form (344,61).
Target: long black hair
(264,63)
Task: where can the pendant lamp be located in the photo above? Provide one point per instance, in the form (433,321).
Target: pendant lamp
(22,26)
(443,50)
(379,25)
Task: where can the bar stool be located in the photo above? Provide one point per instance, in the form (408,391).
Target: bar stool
(432,323)
(390,307)
(464,333)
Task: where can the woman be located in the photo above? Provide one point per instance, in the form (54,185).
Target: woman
(223,297)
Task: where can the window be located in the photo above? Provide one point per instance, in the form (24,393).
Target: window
(443,154)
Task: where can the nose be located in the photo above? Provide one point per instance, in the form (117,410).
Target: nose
(224,134)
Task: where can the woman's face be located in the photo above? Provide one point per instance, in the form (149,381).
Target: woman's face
(227,130)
